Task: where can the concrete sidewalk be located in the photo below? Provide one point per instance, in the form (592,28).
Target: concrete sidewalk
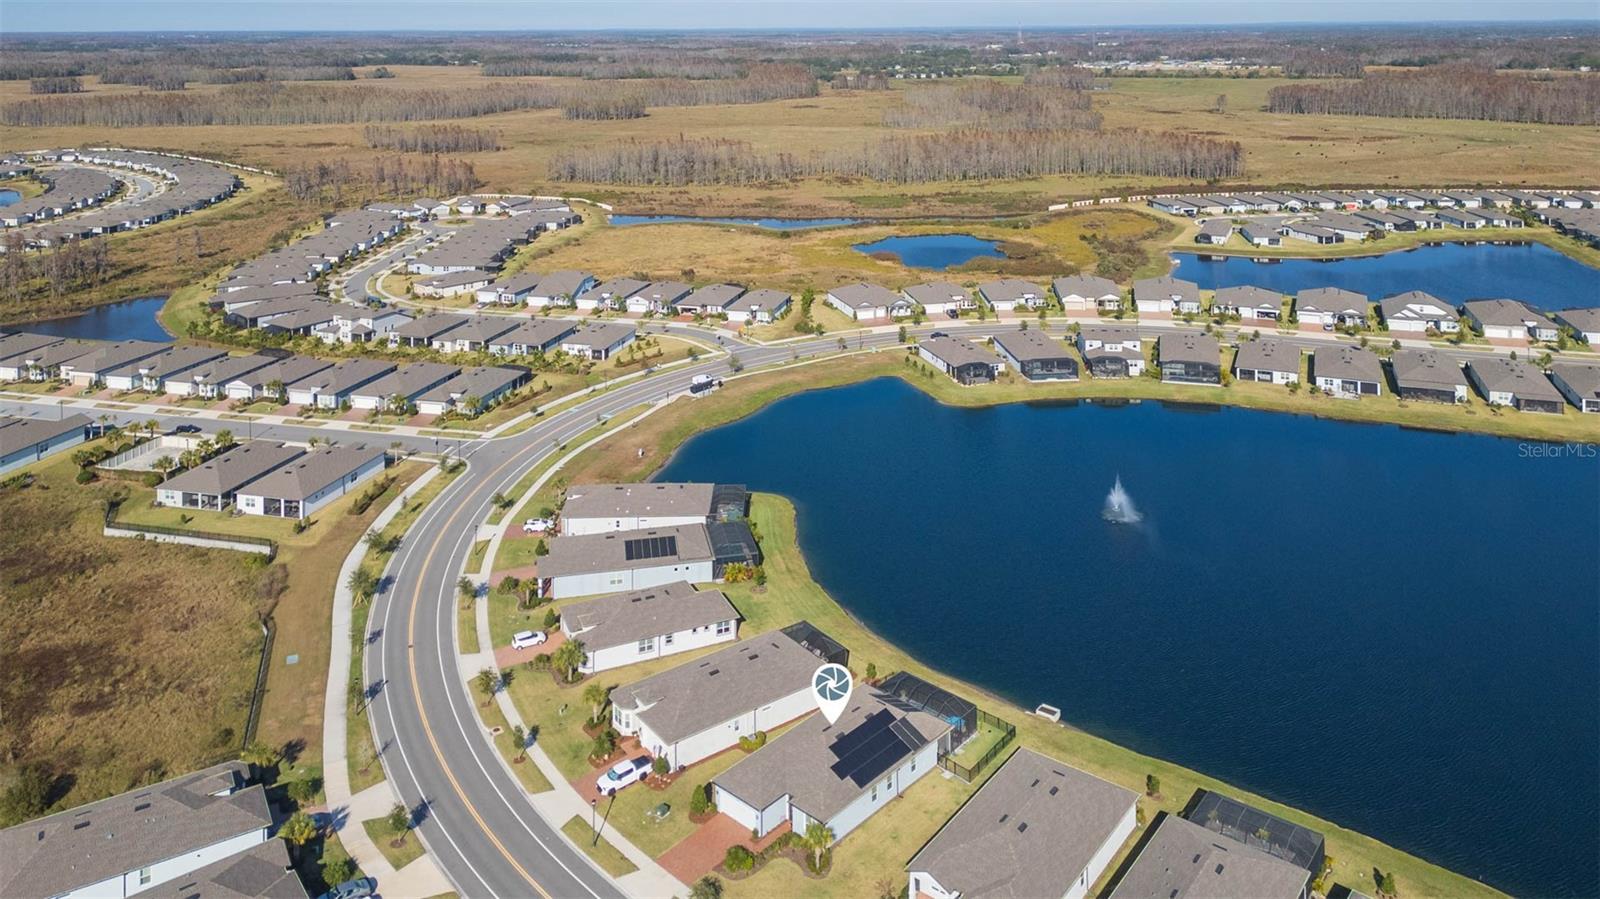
(422,877)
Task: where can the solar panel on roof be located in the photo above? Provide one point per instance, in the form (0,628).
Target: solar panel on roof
(649,548)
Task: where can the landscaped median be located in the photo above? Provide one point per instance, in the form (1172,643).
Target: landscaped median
(870,860)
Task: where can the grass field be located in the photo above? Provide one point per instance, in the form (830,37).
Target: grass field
(605,855)
(409,848)
(104,636)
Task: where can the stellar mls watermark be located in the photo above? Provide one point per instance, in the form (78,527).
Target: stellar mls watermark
(1528,450)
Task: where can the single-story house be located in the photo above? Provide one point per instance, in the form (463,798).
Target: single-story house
(612,295)
(27,440)
(1514,383)
(1310,233)
(273,380)
(1331,307)
(837,774)
(1006,294)
(1036,356)
(961,359)
(863,301)
(208,379)
(1426,375)
(940,297)
(475,333)
(473,390)
(712,299)
(1037,827)
(49,361)
(530,337)
(1418,312)
(603,508)
(151,373)
(215,483)
(1267,360)
(453,284)
(1347,371)
(1509,320)
(426,330)
(509,291)
(658,297)
(623,628)
(1112,352)
(559,289)
(16,348)
(1248,302)
(698,709)
(90,369)
(331,388)
(762,306)
(1214,231)
(591,564)
(308,483)
(1184,860)
(598,340)
(1460,218)
(401,387)
(1166,294)
(1189,359)
(151,839)
(1261,235)
(1087,293)
(1173,206)
(1579,383)
(1411,220)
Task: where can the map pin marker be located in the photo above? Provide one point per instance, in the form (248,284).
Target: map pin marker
(832,685)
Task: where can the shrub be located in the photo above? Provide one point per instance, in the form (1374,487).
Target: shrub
(659,766)
(540,662)
(754,741)
(605,742)
(304,790)
(739,859)
(337,870)
(84,475)
(552,618)
(151,479)
(700,800)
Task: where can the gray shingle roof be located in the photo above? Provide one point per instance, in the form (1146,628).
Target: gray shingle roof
(1165,288)
(1248,296)
(1184,860)
(630,500)
(88,844)
(959,351)
(1584,380)
(1347,363)
(1013,290)
(1086,286)
(1506,313)
(935,292)
(1398,307)
(862,295)
(1515,377)
(594,553)
(802,763)
(312,472)
(1425,369)
(683,701)
(233,469)
(1028,832)
(1029,345)
(1267,354)
(623,618)
(23,433)
(1330,299)
(260,872)
(1189,348)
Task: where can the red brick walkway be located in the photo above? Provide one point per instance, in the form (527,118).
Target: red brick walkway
(696,854)
(585,785)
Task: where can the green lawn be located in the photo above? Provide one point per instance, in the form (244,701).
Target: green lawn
(607,856)
(972,750)
(533,780)
(409,850)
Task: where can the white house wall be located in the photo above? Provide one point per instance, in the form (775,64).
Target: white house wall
(606,658)
(595,583)
(127,884)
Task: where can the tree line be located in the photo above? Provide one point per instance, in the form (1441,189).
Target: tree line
(579,66)
(432,139)
(392,176)
(968,154)
(995,105)
(275,103)
(74,265)
(1452,92)
(59,84)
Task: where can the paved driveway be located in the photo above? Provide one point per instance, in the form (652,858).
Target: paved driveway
(696,854)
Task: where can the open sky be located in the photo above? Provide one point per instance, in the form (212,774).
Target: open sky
(539,15)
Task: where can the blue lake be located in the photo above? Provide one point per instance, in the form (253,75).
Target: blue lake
(933,250)
(7,197)
(1410,649)
(128,320)
(773,224)
(1450,271)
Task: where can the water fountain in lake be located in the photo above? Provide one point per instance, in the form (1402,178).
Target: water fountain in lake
(1119,506)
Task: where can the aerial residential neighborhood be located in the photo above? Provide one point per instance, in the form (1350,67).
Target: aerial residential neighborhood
(735,451)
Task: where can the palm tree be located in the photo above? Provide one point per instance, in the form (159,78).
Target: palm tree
(163,465)
(151,426)
(224,439)
(595,696)
(261,755)
(298,830)
(568,656)
(818,838)
(363,584)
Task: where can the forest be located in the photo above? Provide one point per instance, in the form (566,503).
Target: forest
(907,159)
(996,105)
(276,103)
(342,181)
(432,139)
(1454,92)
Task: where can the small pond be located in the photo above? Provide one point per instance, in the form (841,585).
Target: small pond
(937,251)
(128,320)
(772,224)
(1457,272)
(7,197)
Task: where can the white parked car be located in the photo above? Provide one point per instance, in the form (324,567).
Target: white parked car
(623,773)
(537,525)
(525,639)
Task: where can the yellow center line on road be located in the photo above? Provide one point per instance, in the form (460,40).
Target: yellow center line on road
(411,630)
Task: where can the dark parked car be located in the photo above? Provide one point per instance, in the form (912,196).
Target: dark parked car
(186,429)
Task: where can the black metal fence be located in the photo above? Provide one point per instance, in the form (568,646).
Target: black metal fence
(112,522)
(1008,733)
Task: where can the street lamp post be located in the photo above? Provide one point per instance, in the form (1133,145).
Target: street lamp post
(593,809)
